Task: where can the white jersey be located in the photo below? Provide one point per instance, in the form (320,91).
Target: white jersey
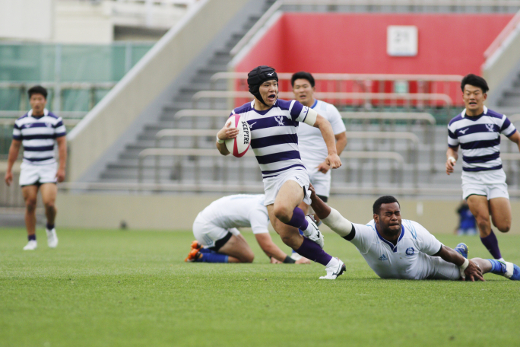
(313,149)
(274,136)
(237,211)
(38,136)
(410,258)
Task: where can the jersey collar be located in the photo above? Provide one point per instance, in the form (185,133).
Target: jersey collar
(463,113)
(264,111)
(45,112)
(315,103)
(390,244)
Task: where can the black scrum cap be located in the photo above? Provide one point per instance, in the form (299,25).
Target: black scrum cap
(259,75)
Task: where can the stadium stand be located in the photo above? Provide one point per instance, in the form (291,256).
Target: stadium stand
(140,137)
(208,91)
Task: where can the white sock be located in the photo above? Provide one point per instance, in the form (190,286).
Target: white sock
(309,229)
(333,262)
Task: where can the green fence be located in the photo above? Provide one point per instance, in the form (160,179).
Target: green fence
(63,67)
(76,76)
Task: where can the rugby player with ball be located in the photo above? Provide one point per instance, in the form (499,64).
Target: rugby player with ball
(273,125)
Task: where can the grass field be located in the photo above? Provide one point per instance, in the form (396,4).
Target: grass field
(132,288)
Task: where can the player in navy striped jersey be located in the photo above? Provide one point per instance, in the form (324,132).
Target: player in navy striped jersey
(477,131)
(274,140)
(38,131)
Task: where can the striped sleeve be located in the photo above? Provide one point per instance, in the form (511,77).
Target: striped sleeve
(59,128)
(298,111)
(17,132)
(453,140)
(507,128)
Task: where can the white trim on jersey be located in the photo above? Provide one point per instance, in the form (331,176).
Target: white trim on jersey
(479,139)
(38,136)
(274,137)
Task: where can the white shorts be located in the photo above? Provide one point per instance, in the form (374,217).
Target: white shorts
(37,174)
(273,184)
(442,270)
(320,181)
(208,233)
(491,184)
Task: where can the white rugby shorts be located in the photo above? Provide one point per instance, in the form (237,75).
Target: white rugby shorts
(208,233)
(320,181)
(442,270)
(273,184)
(37,174)
(491,184)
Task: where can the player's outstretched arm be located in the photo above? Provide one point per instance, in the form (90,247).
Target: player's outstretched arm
(332,218)
(13,154)
(451,158)
(224,134)
(341,143)
(468,269)
(270,248)
(323,124)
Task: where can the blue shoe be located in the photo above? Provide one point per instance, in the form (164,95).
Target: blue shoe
(462,249)
(512,271)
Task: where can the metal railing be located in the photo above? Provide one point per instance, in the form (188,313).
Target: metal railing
(338,97)
(428,119)
(56,94)
(410,138)
(345,82)
(284,76)
(197,153)
(366,117)
(503,36)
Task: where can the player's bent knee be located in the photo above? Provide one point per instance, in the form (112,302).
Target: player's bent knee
(30,204)
(249,258)
(290,240)
(49,205)
(282,213)
(483,224)
(504,228)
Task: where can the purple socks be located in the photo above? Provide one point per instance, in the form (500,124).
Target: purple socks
(491,243)
(313,251)
(298,219)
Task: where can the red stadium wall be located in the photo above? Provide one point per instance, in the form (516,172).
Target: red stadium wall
(356,43)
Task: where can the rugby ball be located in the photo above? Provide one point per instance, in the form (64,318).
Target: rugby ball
(240,144)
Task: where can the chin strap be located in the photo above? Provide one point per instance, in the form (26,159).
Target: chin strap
(257,95)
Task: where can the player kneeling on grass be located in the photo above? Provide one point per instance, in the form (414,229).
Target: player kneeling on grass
(396,248)
(218,239)
(274,140)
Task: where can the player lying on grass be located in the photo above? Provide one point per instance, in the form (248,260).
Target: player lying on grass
(274,140)
(218,239)
(396,248)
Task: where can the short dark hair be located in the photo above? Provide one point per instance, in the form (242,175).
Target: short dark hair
(476,81)
(37,90)
(387,199)
(303,75)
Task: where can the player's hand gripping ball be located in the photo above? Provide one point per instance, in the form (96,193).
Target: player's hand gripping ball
(240,144)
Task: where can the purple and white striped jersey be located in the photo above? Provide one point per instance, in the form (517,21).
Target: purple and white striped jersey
(38,136)
(274,135)
(479,139)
